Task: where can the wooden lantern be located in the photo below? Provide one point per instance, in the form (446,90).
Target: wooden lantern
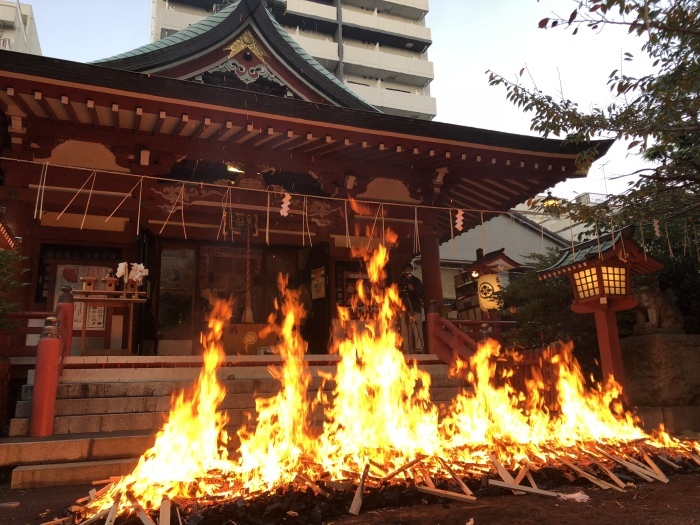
(600,273)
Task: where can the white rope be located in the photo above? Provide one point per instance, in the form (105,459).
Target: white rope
(597,238)
(124,199)
(39,192)
(92,187)
(668,239)
(571,235)
(222,224)
(182,211)
(452,234)
(383,227)
(93,174)
(612,232)
(374,225)
(43,190)
(347,227)
(171,212)
(308,227)
(644,247)
(138,216)
(416,236)
(483,235)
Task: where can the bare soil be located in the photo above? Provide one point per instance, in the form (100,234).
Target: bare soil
(675,503)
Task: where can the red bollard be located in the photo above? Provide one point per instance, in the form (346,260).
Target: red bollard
(48,358)
(64,313)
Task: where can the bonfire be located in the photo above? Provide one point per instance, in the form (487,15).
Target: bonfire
(380,426)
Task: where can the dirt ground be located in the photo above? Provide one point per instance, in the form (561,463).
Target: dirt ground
(675,503)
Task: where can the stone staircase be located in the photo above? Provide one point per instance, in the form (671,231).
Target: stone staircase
(108,410)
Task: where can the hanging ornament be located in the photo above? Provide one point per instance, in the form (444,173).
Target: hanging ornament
(284,210)
(459,221)
(657,229)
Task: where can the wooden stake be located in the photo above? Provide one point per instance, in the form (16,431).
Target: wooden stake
(649,472)
(523,488)
(400,469)
(590,477)
(654,467)
(505,475)
(426,477)
(96,517)
(459,481)
(142,514)
(164,516)
(113,511)
(446,494)
(357,500)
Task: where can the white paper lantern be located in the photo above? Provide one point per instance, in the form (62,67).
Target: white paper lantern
(489,284)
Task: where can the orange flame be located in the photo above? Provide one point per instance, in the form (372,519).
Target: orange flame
(380,411)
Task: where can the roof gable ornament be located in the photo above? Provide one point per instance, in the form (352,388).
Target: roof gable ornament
(247,41)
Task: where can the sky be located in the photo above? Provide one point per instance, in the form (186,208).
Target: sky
(469,38)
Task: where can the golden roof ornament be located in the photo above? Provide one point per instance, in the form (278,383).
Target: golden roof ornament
(246,41)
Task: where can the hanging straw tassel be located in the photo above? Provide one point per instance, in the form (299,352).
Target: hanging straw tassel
(93,174)
(222,224)
(483,234)
(92,187)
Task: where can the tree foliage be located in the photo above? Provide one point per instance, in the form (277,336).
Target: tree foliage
(658,113)
(11,271)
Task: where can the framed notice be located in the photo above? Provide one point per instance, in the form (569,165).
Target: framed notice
(69,275)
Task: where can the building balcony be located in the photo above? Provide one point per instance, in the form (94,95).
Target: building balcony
(373,62)
(10,15)
(312,9)
(409,29)
(5,44)
(412,9)
(392,102)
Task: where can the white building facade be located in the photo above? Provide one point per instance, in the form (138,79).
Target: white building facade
(18,28)
(378,48)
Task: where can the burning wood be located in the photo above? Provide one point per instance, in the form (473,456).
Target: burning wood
(379,416)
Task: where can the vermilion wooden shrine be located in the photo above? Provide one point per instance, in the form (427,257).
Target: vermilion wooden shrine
(131,158)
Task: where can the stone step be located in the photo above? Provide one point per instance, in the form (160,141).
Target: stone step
(57,474)
(65,449)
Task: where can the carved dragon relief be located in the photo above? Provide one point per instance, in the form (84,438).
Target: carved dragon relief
(247,74)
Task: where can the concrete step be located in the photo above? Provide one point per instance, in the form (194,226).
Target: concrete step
(57,474)
(65,449)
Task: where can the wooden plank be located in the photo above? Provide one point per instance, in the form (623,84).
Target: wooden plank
(610,473)
(655,467)
(668,462)
(457,479)
(505,475)
(647,470)
(112,515)
(524,488)
(142,514)
(314,487)
(164,516)
(97,517)
(631,467)
(531,480)
(521,475)
(357,499)
(401,469)
(446,494)
(426,477)
(590,477)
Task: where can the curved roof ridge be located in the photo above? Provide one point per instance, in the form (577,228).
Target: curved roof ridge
(183,35)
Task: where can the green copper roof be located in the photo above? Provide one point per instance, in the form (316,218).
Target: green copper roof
(188,33)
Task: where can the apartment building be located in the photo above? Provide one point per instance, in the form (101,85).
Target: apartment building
(18,28)
(378,48)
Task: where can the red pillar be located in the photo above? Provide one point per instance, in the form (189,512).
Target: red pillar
(48,358)
(64,313)
(609,343)
(430,268)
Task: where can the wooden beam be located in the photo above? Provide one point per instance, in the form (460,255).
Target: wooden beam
(330,148)
(72,114)
(505,475)
(357,498)
(92,110)
(327,140)
(44,104)
(222,130)
(305,140)
(457,479)
(590,477)
(160,123)
(19,102)
(280,139)
(115,117)
(137,120)
(238,135)
(184,120)
(267,136)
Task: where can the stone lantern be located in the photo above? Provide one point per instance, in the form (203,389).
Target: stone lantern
(600,271)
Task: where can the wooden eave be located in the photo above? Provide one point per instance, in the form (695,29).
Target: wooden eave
(443,165)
